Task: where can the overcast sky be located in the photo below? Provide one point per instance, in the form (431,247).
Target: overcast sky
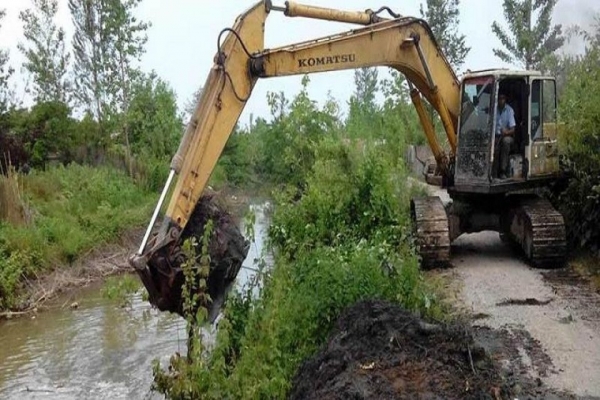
(182,40)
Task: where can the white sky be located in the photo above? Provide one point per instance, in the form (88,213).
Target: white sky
(182,39)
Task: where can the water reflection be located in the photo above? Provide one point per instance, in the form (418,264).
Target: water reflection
(99,350)
(96,351)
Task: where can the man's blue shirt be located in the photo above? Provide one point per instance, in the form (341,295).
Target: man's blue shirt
(505,119)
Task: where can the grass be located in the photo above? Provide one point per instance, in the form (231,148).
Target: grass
(73,209)
(587,266)
(13,208)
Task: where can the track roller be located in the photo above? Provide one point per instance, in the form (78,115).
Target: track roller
(539,229)
(430,225)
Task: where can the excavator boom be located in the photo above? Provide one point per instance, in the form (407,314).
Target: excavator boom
(403,43)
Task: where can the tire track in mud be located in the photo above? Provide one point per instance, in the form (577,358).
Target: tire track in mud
(551,321)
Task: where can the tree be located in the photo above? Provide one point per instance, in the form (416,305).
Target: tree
(90,53)
(108,41)
(527,43)
(155,127)
(443,18)
(126,38)
(362,106)
(125,45)
(46,58)
(190,105)
(366,85)
(5,72)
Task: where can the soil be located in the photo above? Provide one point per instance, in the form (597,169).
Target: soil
(378,350)
(228,248)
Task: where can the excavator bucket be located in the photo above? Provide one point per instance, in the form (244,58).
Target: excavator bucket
(227,249)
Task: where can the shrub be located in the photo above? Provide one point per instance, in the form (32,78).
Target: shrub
(580,110)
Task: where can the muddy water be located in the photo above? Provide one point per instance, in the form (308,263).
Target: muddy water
(98,350)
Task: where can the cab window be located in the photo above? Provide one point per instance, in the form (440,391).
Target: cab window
(536,96)
(543,109)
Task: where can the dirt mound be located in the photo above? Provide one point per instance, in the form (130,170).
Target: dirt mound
(380,351)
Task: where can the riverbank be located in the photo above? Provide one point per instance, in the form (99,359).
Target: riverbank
(62,352)
(341,237)
(63,227)
(70,227)
(97,264)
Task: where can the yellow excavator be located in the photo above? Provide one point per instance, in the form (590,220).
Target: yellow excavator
(467,109)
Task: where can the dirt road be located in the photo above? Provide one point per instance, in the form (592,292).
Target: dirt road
(554,320)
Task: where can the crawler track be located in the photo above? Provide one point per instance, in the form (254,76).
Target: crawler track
(430,224)
(539,229)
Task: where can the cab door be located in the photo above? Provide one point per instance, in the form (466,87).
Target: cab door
(543,128)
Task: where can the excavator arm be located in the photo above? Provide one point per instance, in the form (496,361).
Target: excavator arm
(403,43)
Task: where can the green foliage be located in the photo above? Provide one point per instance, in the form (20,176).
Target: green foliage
(13,266)
(89,55)
(120,288)
(124,42)
(108,39)
(154,128)
(190,105)
(74,210)
(443,18)
(287,144)
(580,110)
(528,42)
(238,160)
(363,117)
(47,129)
(194,291)
(350,196)
(47,60)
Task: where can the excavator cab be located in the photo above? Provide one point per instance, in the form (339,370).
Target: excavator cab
(533,155)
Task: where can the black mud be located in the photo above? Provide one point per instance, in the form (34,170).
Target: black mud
(530,301)
(227,249)
(380,351)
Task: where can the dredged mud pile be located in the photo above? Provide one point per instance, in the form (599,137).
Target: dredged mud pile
(380,351)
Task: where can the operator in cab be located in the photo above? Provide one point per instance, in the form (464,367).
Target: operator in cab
(505,130)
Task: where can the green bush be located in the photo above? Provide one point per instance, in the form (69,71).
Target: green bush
(288,143)
(43,132)
(580,110)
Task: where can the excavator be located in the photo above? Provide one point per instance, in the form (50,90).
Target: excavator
(466,166)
